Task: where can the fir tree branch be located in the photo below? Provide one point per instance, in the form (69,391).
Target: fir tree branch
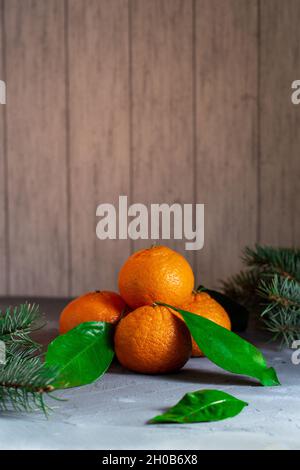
(18,323)
(24,379)
(280,292)
(284,325)
(23,383)
(282,261)
(271,287)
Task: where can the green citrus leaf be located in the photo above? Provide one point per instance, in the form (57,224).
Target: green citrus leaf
(201,406)
(82,355)
(228,350)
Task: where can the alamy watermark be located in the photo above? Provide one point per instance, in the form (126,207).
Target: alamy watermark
(296,354)
(159,221)
(2,92)
(295,96)
(2,353)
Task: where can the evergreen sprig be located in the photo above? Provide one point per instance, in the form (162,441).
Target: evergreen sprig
(269,260)
(24,379)
(270,285)
(23,383)
(280,292)
(18,323)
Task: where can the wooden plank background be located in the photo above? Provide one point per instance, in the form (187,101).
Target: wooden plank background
(279,123)
(36,147)
(161,100)
(162,105)
(99,154)
(226,120)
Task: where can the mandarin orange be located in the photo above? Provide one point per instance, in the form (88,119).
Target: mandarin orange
(156,274)
(94,306)
(152,340)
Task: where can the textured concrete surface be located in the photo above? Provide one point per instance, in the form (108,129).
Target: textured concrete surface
(112,413)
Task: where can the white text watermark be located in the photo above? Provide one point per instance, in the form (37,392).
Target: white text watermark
(295,97)
(2,353)
(2,92)
(160,221)
(296,354)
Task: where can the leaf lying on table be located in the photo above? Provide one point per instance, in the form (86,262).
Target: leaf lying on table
(228,350)
(82,355)
(201,406)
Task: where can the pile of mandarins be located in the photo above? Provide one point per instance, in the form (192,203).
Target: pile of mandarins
(149,338)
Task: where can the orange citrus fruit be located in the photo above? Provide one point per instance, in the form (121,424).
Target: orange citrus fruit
(93,306)
(204,305)
(152,340)
(156,274)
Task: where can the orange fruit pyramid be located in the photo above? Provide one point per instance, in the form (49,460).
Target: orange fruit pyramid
(149,338)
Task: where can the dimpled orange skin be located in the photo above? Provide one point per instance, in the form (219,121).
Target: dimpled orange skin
(204,305)
(94,306)
(151,340)
(157,274)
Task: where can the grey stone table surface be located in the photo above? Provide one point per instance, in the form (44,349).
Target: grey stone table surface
(112,413)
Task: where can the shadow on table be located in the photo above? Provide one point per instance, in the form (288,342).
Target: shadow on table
(191,375)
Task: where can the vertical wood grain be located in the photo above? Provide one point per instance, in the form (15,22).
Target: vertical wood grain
(3,185)
(34,37)
(154,99)
(226,93)
(99,135)
(162,105)
(279,123)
